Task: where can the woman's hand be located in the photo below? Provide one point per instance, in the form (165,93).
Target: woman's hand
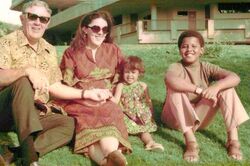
(97,94)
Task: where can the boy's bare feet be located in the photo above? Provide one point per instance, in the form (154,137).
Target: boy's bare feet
(191,153)
(233,150)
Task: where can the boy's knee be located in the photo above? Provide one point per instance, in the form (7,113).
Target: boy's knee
(226,92)
(177,96)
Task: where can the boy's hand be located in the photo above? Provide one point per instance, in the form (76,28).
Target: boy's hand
(211,93)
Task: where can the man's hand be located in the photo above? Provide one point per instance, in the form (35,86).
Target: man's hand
(38,79)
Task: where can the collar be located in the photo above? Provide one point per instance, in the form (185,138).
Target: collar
(194,65)
(23,41)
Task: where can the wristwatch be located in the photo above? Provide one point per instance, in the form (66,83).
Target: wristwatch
(198,90)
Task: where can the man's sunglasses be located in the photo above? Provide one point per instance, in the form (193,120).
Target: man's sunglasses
(34,17)
(97,29)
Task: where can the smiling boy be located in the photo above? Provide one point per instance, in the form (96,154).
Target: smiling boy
(195,90)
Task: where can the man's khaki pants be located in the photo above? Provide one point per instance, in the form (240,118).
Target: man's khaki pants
(17,111)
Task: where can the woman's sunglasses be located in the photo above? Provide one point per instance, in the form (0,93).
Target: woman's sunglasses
(97,29)
(34,17)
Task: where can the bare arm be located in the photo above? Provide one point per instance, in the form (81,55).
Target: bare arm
(227,79)
(118,92)
(178,84)
(61,91)
(39,80)
(8,76)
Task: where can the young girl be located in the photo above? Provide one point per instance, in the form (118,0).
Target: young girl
(133,97)
(195,91)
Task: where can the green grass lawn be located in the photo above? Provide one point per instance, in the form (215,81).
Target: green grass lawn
(212,140)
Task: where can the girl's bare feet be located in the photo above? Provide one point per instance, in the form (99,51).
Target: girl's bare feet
(153,146)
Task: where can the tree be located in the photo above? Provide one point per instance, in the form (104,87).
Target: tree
(7,28)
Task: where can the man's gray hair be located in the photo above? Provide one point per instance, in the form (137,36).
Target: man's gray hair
(36,3)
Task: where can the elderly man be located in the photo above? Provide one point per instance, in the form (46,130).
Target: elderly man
(29,73)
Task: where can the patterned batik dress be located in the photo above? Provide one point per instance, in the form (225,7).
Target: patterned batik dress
(136,106)
(93,120)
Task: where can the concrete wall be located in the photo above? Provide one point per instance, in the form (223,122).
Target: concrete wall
(220,27)
(165,26)
(231,26)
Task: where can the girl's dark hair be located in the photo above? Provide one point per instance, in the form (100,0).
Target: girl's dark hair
(190,33)
(133,63)
(80,39)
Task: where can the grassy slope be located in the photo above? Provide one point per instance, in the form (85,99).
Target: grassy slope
(157,58)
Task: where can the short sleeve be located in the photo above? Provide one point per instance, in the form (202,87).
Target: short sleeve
(5,55)
(175,68)
(56,75)
(213,71)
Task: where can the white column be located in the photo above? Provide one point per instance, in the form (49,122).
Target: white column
(153,17)
(139,30)
(210,21)
(210,29)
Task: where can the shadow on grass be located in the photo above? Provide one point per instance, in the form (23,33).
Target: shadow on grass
(158,106)
(92,163)
(212,136)
(160,131)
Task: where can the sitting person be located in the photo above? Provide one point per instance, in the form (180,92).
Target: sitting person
(133,97)
(91,64)
(195,90)
(29,75)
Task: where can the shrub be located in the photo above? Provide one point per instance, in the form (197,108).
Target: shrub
(213,50)
(6,28)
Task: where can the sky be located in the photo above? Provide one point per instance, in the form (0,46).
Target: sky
(7,15)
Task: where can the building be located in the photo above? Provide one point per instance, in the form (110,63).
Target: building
(155,21)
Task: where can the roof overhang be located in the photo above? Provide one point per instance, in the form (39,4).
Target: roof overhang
(54,4)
